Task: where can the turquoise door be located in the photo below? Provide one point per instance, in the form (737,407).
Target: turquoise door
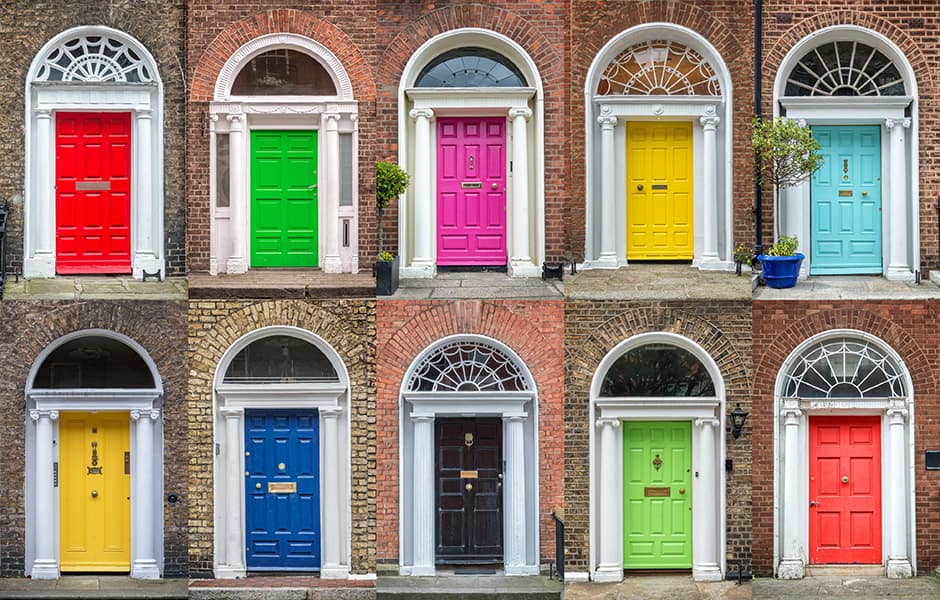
(846,201)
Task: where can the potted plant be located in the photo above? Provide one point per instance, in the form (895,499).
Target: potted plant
(391,181)
(742,255)
(787,154)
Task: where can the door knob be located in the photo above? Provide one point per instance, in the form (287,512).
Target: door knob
(257,486)
(468,487)
(814,503)
(94,493)
(494,185)
(845,479)
(681,490)
(864,194)
(639,187)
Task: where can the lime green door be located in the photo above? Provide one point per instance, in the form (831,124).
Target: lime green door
(657,495)
(284,199)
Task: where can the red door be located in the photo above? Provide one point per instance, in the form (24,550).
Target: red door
(93,193)
(845,490)
(471,191)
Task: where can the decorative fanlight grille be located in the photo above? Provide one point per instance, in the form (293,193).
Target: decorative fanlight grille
(94,58)
(659,68)
(844,69)
(468,367)
(844,368)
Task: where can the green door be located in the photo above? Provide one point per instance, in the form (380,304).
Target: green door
(284,199)
(657,495)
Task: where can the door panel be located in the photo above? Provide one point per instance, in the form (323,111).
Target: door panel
(94,496)
(471,191)
(93,192)
(846,201)
(282,490)
(284,230)
(469,521)
(659,191)
(845,490)
(657,495)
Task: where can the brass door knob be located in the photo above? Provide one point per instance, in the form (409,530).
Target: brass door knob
(94,493)
(494,186)
(257,486)
(639,187)
(469,486)
(681,490)
(845,479)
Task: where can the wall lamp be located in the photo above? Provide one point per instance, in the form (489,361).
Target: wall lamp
(738,417)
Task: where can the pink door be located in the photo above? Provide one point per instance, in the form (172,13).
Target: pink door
(471,191)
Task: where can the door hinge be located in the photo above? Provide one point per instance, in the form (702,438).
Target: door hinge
(127,463)
(55,474)
(510,166)
(218,449)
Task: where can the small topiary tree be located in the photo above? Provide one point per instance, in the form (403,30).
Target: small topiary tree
(391,181)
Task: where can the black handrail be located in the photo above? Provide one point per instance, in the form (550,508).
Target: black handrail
(559,544)
(4,211)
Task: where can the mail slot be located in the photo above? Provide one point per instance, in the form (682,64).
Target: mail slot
(660,186)
(657,492)
(92,186)
(469,474)
(471,185)
(845,193)
(282,487)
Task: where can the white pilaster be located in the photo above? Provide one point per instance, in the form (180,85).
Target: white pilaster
(45,565)
(332,567)
(332,262)
(422,264)
(710,188)
(40,261)
(608,217)
(520,261)
(238,195)
(791,563)
(609,493)
(423,496)
(145,255)
(514,496)
(234,542)
(899,562)
(898,265)
(143,506)
(705,561)
(214,230)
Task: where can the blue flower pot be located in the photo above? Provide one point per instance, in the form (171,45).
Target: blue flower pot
(781,271)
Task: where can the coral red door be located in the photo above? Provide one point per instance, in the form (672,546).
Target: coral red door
(93,192)
(471,191)
(845,490)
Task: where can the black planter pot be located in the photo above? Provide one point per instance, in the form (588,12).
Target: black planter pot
(386,277)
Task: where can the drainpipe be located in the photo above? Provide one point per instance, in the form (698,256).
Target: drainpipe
(758,64)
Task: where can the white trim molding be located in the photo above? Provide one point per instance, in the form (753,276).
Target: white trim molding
(105,91)
(707,415)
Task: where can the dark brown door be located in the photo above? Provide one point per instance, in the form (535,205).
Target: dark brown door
(469,466)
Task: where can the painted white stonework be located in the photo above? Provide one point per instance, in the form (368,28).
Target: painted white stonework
(85,91)
(146,446)
(328,115)
(606,464)
(331,401)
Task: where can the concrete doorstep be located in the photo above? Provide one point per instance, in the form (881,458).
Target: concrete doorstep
(468,587)
(92,587)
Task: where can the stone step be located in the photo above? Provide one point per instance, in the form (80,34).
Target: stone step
(280,593)
(468,587)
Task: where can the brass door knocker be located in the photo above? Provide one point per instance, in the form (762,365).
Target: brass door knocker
(468,439)
(657,463)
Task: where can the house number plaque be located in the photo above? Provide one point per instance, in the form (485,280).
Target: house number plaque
(657,492)
(282,487)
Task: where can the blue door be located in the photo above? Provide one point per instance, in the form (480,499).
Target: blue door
(846,201)
(282,490)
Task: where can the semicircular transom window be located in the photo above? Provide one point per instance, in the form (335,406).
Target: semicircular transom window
(657,370)
(659,68)
(470,68)
(94,59)
(844,368)
(283,72)
(93,362)
(280,359)
(468,367)
(844,69)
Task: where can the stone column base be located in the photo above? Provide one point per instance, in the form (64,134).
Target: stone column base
(790,568)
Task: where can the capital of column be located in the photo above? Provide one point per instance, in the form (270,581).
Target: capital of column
(355,121)
(153,414)
(706,422)
(611,421)
(514,418)
(710,122)
(235,122)
(332,121)
(36,414)
(892,123)
(607,121)
(143,113)
(43,113)
(232,413)
(523,112)
(417,113)
(791,415)
(331,412)
(422,418)
(897,415)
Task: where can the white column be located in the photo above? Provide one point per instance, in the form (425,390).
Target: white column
(423,496)
(710,187)
(333,499)
(899,561)
(423,225)
(608,216)
(144,230)
(791,563)
(234,538)
(898,265)
(332,262)
(353,250)
(609,493)
(45,565)
(214,232)
(238,195)
(40,257)
(514,497)
(143,503)
(520,261)
(705,562)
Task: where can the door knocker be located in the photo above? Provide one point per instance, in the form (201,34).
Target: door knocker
(657,463)
(468,439)
(94,454)
(470,161)
(845,169)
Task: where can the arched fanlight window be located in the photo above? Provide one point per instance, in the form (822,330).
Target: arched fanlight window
(468,367)
(94,58)
(844,368)
(657,370)
(470,67)
(95,362)
(283,72)
(659,68)
(280,359)
(844,69)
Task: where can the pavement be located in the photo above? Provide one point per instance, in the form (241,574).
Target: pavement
(478,285)
(94,287)
(92,587)
(857,588)
(851,287)
(658,587)
(662,281)
(282,283)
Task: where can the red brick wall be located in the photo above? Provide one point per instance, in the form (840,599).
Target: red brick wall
(533,329)
(910,328)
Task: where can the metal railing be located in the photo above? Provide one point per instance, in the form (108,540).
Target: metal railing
(4,211)
(558,515)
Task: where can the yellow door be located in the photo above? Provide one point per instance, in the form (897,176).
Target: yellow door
(95,490)
(659,191)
